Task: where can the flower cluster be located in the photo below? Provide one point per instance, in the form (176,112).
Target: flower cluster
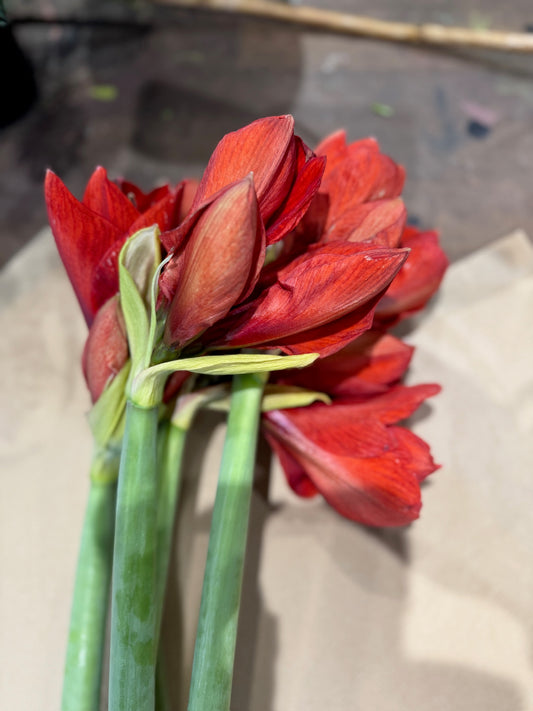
(282,249)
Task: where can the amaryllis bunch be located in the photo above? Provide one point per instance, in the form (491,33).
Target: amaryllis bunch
(282,269)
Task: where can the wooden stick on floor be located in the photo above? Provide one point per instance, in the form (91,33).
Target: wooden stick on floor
(366,26)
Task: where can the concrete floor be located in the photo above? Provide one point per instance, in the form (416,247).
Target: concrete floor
(147,92)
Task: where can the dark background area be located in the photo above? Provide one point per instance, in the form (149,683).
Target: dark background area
(148,91)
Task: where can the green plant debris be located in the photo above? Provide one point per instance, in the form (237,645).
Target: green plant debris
(383,110)
(479,21)
(103,92)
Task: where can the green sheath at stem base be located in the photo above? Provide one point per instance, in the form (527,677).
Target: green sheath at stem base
(214,652)
(85,648)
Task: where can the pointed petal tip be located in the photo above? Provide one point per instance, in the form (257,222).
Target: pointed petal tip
(50,176)
(433,389)
(55,191)
(288,118)
(405,252)
(49,181)
(243,189)
(99,174)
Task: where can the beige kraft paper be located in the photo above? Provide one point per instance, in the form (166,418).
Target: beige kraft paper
(335,617)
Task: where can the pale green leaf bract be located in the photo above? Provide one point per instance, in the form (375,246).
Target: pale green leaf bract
(280,397)
(147,386)
(141,256)
(138,262)
(277,397)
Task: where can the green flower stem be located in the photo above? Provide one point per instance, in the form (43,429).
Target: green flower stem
(162,701)
(133,612)
(85,648)
(172,441)
(169,485)
(214,653)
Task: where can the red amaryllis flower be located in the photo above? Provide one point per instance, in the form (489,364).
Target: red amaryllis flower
(354,454)
(315,302)
(372,213)
(286,172)
(89,234)
(355,174)
(358,202)
(283,174)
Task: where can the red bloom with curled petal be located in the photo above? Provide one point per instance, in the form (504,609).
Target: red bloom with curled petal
(314,302)
(332,269)
(352,451)
(89,235)
(354,454)
(283,175)
(358,202)
(286,172)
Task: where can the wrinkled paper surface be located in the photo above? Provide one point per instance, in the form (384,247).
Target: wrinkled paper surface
(335,617)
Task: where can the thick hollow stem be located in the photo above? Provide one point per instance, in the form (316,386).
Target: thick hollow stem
(85,648)
(172,441)
(169,485)
(214,653)
(133,612)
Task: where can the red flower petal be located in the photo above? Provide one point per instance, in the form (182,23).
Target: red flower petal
(165,214)
(330,337)
(366,366)
(173,237)
(297,478)
(326,284)
(380,222)
(219,264)
(107,200)
(266,148)
(355,174)
(351,183)
(82,238)
(141,200)
(357,465)
(418,279)
(300,196)
(334,148)
(190,188)
(396,404)
(106,348)
(390,181)
(415,453)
